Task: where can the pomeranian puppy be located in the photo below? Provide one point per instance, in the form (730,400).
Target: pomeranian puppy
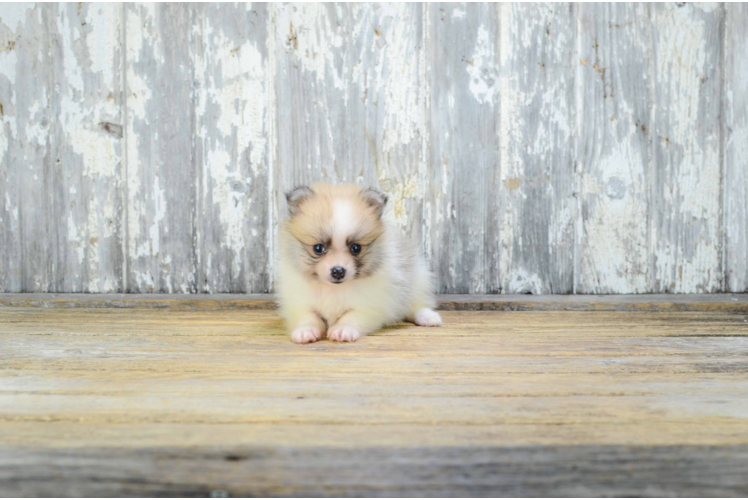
(343,271)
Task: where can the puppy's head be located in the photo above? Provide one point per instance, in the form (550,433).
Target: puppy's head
(336,229)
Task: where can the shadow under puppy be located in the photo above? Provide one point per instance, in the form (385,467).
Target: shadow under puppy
(343,271)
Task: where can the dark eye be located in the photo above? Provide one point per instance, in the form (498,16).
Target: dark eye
(355,249)
(319,248)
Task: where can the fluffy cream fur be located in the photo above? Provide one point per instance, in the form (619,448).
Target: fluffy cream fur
(387,282)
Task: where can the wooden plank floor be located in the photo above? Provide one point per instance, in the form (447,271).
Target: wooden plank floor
(175,401)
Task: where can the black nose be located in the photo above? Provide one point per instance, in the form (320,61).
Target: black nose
(338,273)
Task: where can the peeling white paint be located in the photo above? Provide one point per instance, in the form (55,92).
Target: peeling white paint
(688,151)
(736,149)
(708,6)
(399,194)
(37,130)
(14,14)
(232,207)
(232,113)
(387,71)
(307,31)
(612,240)
(615,243)
(96,150)
(8,60)
(144,281)
(75,239)
(403,120)
(481,67)
(538,210)
(159,206)
(364,77)
(3,142)
(104,22)
(10,208)
(70,31)
(520,281)
(241,99)
(140,34)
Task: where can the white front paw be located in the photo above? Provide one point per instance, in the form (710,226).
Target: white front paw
(306,335)
(427,317)
(343,333)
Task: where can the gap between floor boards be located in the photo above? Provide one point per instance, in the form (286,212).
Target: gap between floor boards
(736,303)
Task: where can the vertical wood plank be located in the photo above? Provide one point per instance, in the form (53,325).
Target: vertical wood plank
(736,147)
(613,128)
(232,147)
(686,191)
(350,104)
(161,168)
(464,145)
(312,92)
(386,107)
(86,147)
(25,92)
(537,165)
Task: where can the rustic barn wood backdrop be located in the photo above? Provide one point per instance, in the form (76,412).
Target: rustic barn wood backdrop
(543,148)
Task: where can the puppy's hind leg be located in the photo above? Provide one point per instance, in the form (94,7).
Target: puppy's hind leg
(422,301)
(425,316)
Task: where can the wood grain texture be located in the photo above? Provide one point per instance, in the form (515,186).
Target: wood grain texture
(91,400)
(735,102)
(161,167)
(389,124)
(350,101)
(61,148)
(252,471)
(462,206)
(528,148)
(686,180)
(86,147)
(312,91)
(232,150)
(27,167)
(537,165)
(735,303)
(614,100)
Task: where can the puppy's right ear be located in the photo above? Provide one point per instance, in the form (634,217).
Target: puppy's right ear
(296,196)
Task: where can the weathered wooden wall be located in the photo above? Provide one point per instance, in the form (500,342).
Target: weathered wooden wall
(542,148)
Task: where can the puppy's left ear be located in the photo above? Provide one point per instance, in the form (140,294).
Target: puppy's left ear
(376,199)
(296,196)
